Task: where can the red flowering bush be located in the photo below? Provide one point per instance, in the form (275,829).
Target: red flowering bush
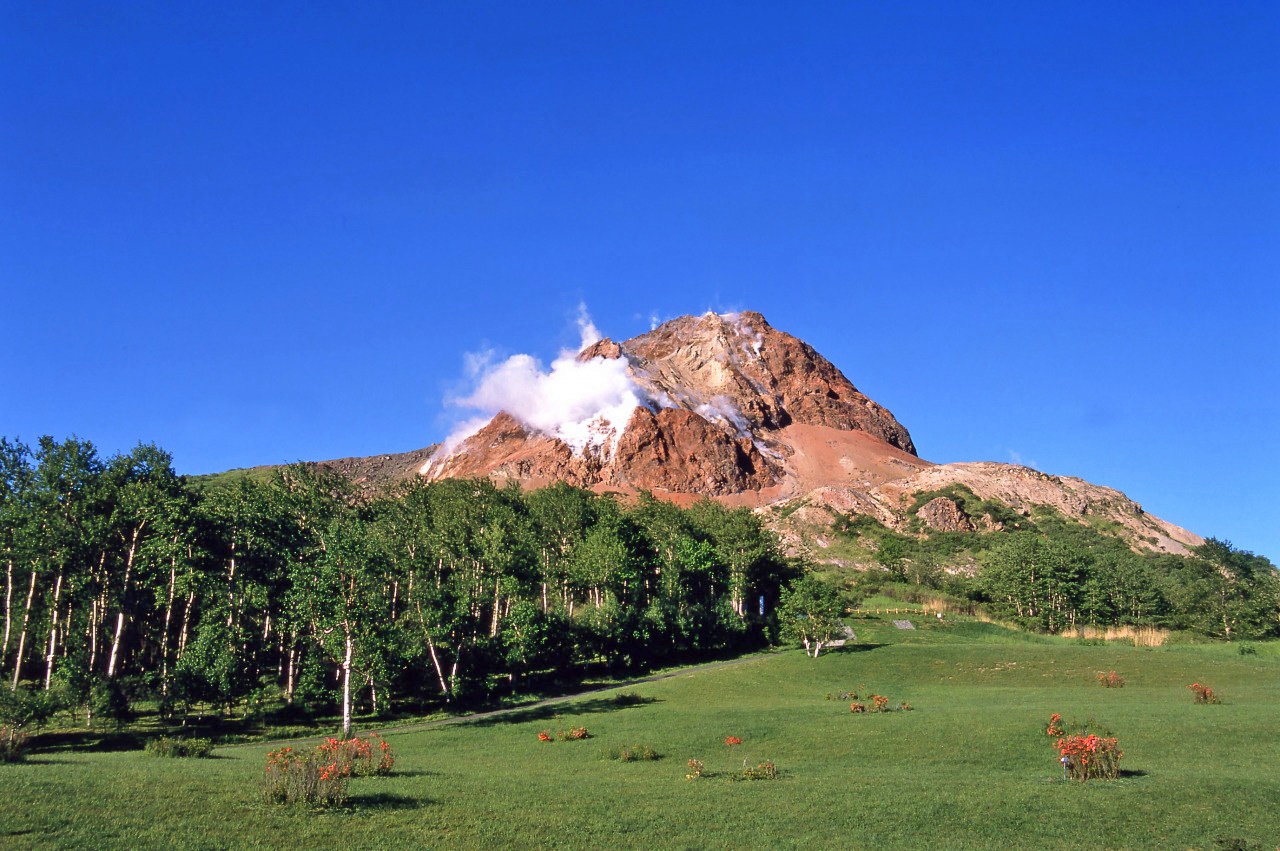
(732,740)
(321,776)
(1090,757)
(571,735)
(1085,755)
(879,703)
(294,777)
(1204,694)
(360,757)
(1111,680)
(764,771)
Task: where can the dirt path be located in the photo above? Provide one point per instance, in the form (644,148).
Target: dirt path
(494,714)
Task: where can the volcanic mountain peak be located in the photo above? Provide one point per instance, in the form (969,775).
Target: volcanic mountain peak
(726,406)
(715,402)
(739,371)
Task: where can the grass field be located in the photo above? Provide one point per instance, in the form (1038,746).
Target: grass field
(969,767)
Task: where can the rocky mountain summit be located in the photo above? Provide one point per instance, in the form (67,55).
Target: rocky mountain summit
(729,407)
(724,399)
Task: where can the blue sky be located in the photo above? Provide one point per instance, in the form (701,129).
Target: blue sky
(1036,232)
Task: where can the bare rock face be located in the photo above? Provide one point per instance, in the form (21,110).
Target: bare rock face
(728,397)
(740,362)
(944,515)
(680,451)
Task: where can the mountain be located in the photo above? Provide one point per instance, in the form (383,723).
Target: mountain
(729,407)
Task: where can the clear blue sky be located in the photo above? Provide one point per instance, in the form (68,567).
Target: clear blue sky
(1047,232)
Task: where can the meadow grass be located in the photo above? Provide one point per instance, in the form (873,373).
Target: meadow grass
(969,767)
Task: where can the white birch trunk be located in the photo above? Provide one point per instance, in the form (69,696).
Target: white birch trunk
(53,632)
(124,593)
(22,636)
(8,610)
(346,687)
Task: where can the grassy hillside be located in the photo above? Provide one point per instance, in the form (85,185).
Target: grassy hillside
(969,767)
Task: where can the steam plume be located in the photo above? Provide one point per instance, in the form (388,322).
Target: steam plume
(584,403)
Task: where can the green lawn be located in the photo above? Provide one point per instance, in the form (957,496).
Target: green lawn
(969,767)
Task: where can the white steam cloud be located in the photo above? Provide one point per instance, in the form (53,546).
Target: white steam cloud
(584,403)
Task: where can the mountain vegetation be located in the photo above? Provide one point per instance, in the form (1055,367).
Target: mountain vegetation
(124,579)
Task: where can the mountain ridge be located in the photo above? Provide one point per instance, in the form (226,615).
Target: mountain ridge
(736,410)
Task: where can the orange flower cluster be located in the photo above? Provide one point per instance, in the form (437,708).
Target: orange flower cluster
(1054,730)
(1111,680)
(1204,694)
(357,756)
(732,740)
(570,735)
(1089,757)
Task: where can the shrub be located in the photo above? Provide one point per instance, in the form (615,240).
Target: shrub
(880,703)
(1111,680)
(634,753)
(362,757)
(856,707)
(1248,650)
(545,736)
(628,698)
(763,771)
(696,769)
(167,746)
(1084,754)
(732,740)
(1090,757)
(13,743)
(1203,694)
(573,734)
(320,777)
(303,778)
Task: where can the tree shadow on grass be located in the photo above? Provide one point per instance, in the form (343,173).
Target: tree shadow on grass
(853,648)
(417,773)
(93,741)
(553,710)
(387,801)
(37,760)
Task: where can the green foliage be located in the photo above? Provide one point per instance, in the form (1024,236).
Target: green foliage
(633,753)
(180,748)
(810,613)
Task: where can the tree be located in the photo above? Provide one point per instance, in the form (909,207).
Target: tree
(809,612)
(1038,580)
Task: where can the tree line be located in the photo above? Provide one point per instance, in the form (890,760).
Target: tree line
(120,572)
(1050,573)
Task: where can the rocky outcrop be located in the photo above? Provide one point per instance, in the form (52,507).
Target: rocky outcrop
(679,451)
(944,515)
(739,364)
